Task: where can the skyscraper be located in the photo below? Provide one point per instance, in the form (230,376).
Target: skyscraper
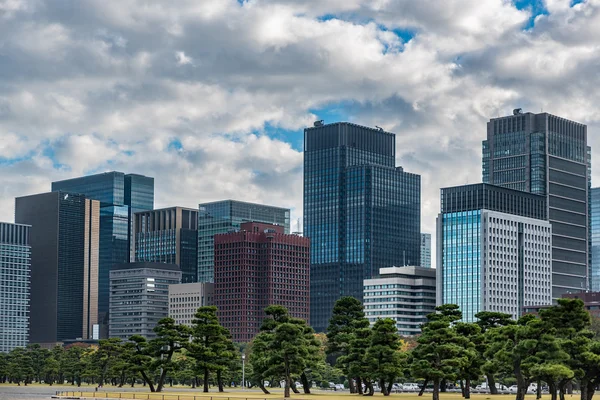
(15,269)
(139,297)
(64,264)
(425,250)
(120,196)
(169,235)
(225,216)
(258,266)
(547,155)
(493,250)
(595,239)
(361,212)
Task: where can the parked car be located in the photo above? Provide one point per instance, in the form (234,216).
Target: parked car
(411,387)
(339,386)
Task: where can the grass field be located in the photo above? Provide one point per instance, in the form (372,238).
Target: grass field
(276,394)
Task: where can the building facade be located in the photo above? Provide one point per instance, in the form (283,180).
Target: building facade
(258,266)
(120,196)
(361,212)
(226,216)
(186,298)
(15,269)
(169,235)
(595,239)
(548,155)
(139,297)
(426,250)
(591,302)
(404,294)
(65,232)
(493,249)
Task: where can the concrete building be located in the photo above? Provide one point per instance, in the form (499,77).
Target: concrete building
(426,250)
(595,240)
(591,301)
(361,211)
(139,297)
(65,230)
(15,269)
(227,216)
(494,250)
(258,266)
(120,196)
(404,294)
(169,235)
(548,155)
(186,298)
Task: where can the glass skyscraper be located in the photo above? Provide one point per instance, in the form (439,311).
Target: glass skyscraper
(595,238)
(226,216)
(121,196)
(548,155)
(15,270)
(493,250)
(361,212)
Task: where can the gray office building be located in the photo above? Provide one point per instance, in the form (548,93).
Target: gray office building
(548,155)
(226,216)
(15,269)
(121,196)
(169,235)
(139,297)
(64,265)
(361,212)
(595,239)
(404,294)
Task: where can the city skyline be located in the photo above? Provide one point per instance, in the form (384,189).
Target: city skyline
(82,98)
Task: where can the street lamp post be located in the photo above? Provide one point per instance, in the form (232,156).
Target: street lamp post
(243,372)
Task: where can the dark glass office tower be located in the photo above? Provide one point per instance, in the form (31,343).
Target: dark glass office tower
(64,264)
(169,235)
(226,216)
(547,155)
(120,196)
(361,212)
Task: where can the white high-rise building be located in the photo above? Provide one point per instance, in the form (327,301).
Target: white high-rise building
(426,250)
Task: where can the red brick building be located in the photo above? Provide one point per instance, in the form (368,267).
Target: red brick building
(258,266)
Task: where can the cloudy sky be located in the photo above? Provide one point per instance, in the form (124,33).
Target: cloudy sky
(210,96)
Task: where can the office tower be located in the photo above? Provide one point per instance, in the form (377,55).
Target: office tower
(139,297)
(361,212)
(493,250)
(258,266)
(595,239)
(591,302)
(15,267)
(225,216)
(426,250)
(547,155)
(186,298)
(404,294)
(120,196)
(65,230)
(169,235)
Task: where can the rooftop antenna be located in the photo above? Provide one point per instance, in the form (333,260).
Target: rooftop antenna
(378,127)
(404,258)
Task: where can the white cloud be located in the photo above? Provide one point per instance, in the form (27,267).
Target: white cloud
(113,87)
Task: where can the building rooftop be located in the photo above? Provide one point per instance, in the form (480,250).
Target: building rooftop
(148,265)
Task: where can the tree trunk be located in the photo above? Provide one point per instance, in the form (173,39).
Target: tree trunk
(467,388)
(261,385)
(591,389)
(390,386)
(359,388)
(561,388)
(552,387)
(352,386)
(383,387)
(423,387)
(436,389)
(369,388)
(443,384)
(305,383)
(220,381)
(286,390)
(462,388)
(293,386)
(148,381)
(538,390)
(205,390)
(491,381)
